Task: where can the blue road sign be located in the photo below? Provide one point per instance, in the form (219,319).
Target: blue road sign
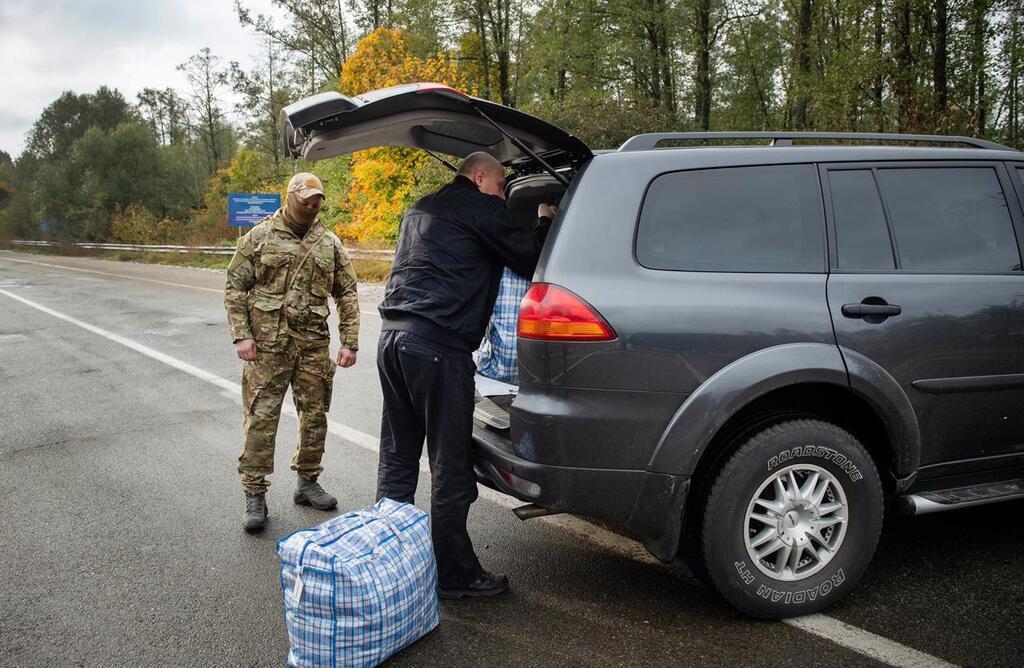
(247,209)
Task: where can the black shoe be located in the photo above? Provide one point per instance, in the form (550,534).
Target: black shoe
(255,517)
(488,584)
(310,493)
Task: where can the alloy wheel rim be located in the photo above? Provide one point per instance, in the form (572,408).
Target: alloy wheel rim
(796,522)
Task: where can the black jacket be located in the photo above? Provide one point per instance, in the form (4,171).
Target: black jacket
(452,246)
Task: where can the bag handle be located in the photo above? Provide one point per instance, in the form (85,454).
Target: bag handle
(369,516)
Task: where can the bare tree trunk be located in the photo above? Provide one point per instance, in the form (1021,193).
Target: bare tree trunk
(877,88)
(979,29)
(665,57)
(803,63)
(485,58)
(702,76)
(939,57)
(762,103)
(651,36)
(902,77)
(343,37)
(499,16)
(1013,74)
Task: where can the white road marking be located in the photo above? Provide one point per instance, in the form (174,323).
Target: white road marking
(865,642)
(135,278)
(840,633)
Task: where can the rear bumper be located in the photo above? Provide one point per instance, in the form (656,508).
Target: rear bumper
(647,505)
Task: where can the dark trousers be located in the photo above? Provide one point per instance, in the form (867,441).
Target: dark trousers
(428,393)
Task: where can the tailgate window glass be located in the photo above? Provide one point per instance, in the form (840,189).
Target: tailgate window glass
(950,219)
(862,237)
(743,219)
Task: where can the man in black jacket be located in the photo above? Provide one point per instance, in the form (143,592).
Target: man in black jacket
(452,246)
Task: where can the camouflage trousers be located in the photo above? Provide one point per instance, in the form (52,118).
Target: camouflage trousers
(310,372)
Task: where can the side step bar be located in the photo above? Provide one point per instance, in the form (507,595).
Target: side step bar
(936,501)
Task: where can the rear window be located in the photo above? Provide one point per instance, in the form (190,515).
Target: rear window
(739,219)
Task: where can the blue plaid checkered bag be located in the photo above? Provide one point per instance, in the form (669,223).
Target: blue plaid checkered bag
(359,587)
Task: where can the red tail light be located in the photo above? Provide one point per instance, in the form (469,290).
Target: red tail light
(551,313)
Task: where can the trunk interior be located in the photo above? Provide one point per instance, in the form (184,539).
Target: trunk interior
(523,195)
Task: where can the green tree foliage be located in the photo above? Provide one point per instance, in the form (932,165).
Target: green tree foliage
(166,113)
(602,69)
(102,169)
(6,193)
(316,32)
(69,117)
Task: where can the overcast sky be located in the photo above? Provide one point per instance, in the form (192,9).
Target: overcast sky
(49,46)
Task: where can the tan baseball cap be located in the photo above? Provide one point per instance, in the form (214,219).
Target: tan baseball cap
(305,185)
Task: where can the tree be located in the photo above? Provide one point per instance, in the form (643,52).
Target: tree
(713,20)
(980,29)
(264,93)
(753,59)
(1010,69)
(940,34)
(166,113)
(68,117)
(802,56)
(7,194)
(6,185)
(206,80)
(385,180)
(100,171)
(316,31)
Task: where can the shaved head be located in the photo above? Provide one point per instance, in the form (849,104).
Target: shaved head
(485,172)
(476,161)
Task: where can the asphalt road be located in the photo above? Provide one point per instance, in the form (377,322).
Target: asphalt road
(120,540)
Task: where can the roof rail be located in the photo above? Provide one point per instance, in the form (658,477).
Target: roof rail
(651,140)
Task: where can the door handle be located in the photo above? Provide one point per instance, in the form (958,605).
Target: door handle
(864,310)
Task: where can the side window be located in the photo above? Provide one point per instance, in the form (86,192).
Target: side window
(744,219)
(950,219)
(862,236)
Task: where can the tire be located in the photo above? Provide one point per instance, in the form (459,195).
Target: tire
(772,552)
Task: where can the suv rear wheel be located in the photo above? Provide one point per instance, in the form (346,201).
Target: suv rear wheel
(792,520)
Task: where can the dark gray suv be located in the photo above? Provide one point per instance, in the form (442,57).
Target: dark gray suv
(736,354)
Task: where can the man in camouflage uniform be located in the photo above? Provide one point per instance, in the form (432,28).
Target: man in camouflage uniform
(278,283)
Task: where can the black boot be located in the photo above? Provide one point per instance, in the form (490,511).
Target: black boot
(488,584)
(255,517)
(310,493)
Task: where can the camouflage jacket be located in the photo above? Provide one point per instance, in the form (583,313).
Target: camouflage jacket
(257,296)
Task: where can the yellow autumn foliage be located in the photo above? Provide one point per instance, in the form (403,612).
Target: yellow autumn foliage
(384,180)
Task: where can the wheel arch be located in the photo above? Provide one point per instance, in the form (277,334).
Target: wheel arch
(785,382)
(805,379)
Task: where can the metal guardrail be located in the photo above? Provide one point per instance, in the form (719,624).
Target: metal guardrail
(356,253)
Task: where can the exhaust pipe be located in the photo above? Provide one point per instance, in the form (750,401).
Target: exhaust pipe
(531,510)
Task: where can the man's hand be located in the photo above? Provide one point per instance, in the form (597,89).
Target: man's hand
(546,210)
(346,358)
(246,349)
